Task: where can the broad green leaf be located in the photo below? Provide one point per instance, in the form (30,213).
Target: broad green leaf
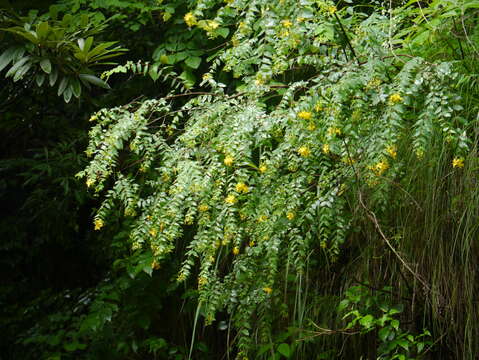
(67,95)
(52,78)
(92,79)
(193,62)
(367,321)
(284,350)
(39,79)
(7,57)
(17,66)
(76,87)
(62,86)
(42,30)
(223,32)
(46,65)
(22,71)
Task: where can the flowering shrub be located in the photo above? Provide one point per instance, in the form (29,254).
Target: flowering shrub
(325,117)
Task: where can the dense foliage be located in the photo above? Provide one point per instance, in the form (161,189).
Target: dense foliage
(264,180)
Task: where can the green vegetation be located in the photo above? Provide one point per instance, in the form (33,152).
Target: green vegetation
(240,179)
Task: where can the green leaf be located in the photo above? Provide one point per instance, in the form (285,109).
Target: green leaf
(67,95)
(395,324)
(17,66)
(223,32)
(193,62)
(39,79)
(52,79)
(7,56)
(188,78)
(42,30)
(367,321)
(284,350)
(76,87)
(46,66)
(62,86)
(384,333)
(92,79)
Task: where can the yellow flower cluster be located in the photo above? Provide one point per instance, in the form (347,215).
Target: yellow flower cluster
(287,23)
(211,25)
(304,151)
(326,149)
(391,150)
(153,232)
(230,199)
(241,187)
(334,131)
(99,224)
(395,98)
(203,208)
(332,10)
(93,118)
(306,115)
(89,182)
(458,162)
(290,215)
(202,280)
(236,250)
(228,161)
(262,169)
(262,218)
(190,19)
(381,167)
(267,290)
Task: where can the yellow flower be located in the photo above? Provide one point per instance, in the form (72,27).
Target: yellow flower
(284,33)
(202,280)
(458,162)
(381,167)
(155,265)
(251,243)
(318,107)
(228,161)
(207,76)
(181,277)
(153,232)
(290,215)
(99,224)
(334,131)
(236,250)
(332,9)
(262,218)
(230,199)
(267,290)
(211,25)
(203,208)
(287,23)
(306,115)
(190,19)
(395,98)
(262,169)
(304,151)
(89,182)
(93,118)
(242,187)
(391,150)
(311,127)
(326,148)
